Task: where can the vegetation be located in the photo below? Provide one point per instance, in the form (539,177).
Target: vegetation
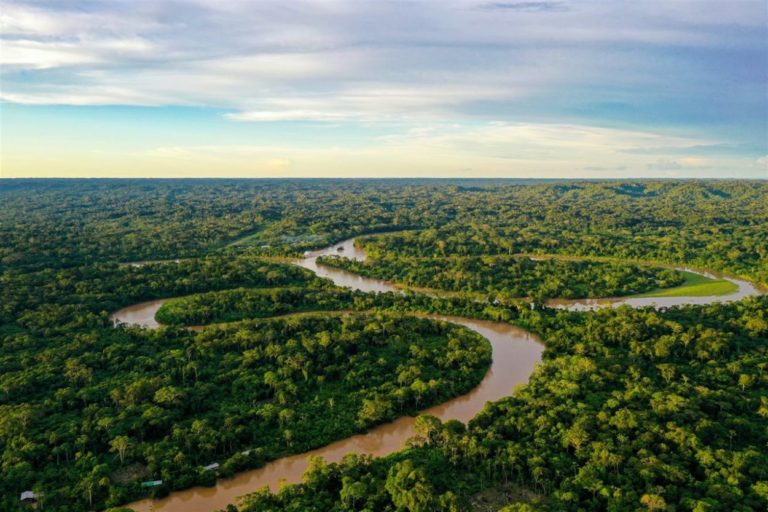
(63,300)
(167,403)
(64,223)
(696,285)
(717,225)
(506,277)
(630,409)
(240,303)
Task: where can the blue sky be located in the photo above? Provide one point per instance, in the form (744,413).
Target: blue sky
(577,89)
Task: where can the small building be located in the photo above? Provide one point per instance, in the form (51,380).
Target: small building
(212,467)
(152,483)
(28,497)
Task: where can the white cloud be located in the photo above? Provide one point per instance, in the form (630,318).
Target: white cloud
(29,54)
(18,19)
(434,73)
(37,55)
(497,150)
(491,149)
(288,115)
(81,96)
(666,164)
(372,103)
(235,54)
(541,141)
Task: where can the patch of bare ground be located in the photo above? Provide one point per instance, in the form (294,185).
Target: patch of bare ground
(129,473)
(495,498)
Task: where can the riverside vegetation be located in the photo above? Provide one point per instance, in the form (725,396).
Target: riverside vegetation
(505,277)
(630,409)
(88,411)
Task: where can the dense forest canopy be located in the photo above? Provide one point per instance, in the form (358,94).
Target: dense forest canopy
(136,404)
(505,277)
(630,409)
(50,296)
(717,225)
(240,303)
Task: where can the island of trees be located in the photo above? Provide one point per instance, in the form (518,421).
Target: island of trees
(505,277)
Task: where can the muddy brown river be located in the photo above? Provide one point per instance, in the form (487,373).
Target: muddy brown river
(515,354)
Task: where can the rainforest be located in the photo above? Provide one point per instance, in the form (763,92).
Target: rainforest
(383,345)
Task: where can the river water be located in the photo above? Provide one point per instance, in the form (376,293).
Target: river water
(744,289)
(515,354)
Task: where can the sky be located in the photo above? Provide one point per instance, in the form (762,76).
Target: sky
(331,88)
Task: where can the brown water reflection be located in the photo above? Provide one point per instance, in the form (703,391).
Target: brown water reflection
(343,277)
(141,314)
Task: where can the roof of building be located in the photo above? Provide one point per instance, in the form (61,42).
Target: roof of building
(28,496)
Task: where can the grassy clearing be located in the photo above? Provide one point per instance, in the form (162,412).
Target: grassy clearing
(695,285)
(494,498)
(251,238)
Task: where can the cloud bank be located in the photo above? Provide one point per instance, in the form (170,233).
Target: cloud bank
(690,69)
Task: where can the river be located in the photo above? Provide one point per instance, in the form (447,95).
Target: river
(515,354)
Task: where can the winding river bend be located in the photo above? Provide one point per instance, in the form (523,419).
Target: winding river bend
(515,354)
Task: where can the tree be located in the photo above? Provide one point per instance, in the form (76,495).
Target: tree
(121,444)
(409,488)
(352,491)
(374,410)
(428,429)
(653,502)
